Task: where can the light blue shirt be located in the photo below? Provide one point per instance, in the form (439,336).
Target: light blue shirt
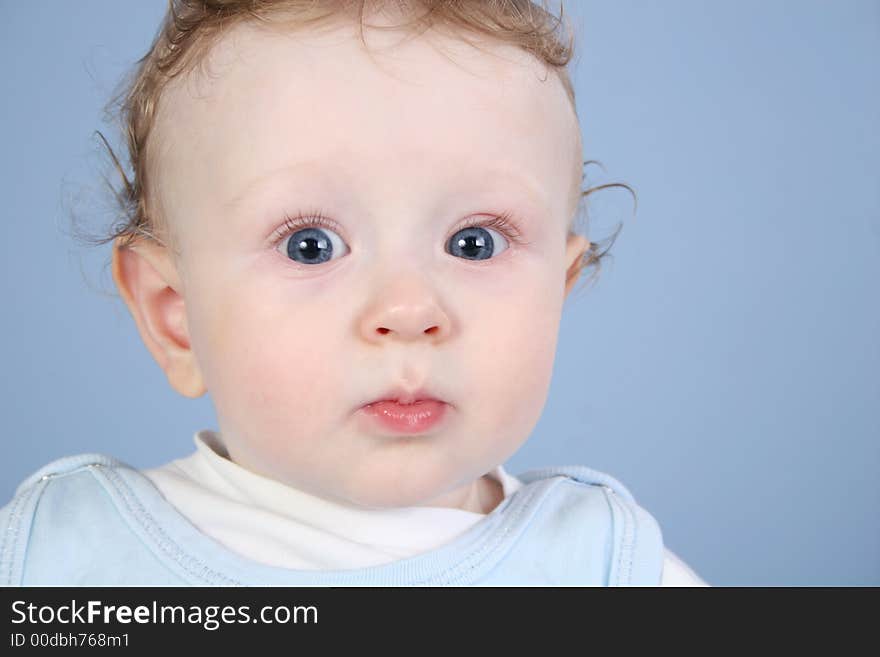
(91,520)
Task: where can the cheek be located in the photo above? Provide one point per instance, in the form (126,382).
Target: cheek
(270,368)
(511,359)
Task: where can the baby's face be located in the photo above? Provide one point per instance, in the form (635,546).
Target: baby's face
(292,337)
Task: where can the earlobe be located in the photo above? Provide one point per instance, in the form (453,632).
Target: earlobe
(576,247)
(148,282)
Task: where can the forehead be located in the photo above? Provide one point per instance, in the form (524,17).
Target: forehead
(424,108)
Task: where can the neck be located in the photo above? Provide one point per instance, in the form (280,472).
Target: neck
(481,496)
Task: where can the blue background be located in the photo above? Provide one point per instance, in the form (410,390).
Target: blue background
(725,367)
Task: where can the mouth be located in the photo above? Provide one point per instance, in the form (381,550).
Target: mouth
(406,397)
(408,412)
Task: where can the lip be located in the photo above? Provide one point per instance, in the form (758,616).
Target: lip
(417,417)
(404,396)
(406,411)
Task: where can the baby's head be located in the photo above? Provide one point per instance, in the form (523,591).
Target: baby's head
(432,171)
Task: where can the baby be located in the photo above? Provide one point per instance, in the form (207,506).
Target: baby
(352,224)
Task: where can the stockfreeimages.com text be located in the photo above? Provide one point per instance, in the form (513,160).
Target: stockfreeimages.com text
(209,616)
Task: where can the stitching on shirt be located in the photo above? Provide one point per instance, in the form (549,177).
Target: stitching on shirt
(148,522)
(456,572)
(616,555)
(459,572)
(460,569)
(11,530)
(562,477)
(633,546)
(625,553)
(7,550)
(152,528)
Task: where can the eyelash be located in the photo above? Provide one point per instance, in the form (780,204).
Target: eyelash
(504,223)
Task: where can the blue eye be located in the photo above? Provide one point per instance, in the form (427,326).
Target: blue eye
(475,243)
(312,245)
(306,238)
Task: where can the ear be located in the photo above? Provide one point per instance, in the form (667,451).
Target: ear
(149,283)
(575,248)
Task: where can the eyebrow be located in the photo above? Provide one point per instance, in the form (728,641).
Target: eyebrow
(266,177)
(487,177)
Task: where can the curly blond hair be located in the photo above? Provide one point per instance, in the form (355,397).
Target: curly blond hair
(191,27)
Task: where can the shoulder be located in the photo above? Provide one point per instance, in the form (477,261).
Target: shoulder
(621,501)
(607,512)
(50,504)
(677,573)
(68,475)
(64,474)
(577,473)
(65,466)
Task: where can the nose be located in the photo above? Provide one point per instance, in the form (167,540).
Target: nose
(410,323)
(407,315)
